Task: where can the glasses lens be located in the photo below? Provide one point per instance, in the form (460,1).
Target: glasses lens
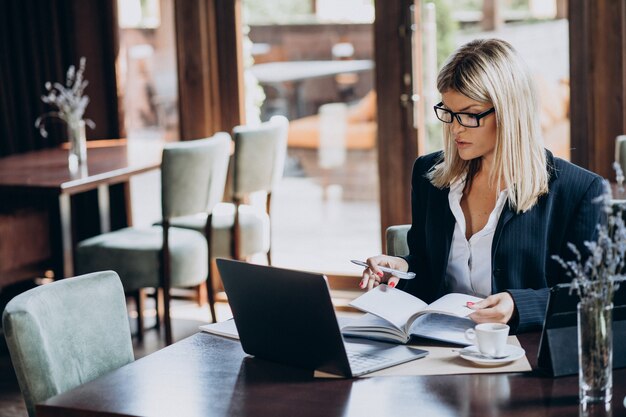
(468,120)
(443,115)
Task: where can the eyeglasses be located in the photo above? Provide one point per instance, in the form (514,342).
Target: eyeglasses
(464,119)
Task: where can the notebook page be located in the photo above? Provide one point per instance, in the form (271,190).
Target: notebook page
(393,305)
(442,327)
(223,328)
(454,303)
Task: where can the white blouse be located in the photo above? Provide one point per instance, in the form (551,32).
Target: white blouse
(469,263)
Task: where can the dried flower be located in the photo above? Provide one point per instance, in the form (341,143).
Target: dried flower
(619,176)
(596,276)
(595,279)
(69,100)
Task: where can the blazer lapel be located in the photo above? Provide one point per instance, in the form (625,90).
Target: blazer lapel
(441,227)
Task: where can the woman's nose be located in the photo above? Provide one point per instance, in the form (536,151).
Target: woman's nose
(456,127)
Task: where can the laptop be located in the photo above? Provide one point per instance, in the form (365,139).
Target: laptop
(287,316)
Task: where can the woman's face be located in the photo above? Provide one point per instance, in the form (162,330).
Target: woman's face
(471,143)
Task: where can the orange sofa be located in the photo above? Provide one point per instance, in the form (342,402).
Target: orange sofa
(360,129)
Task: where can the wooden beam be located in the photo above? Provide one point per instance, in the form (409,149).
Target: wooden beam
(397,137)
(195,49)
(492,16)
(230,63)
(210,77)
(561,9)
(598,82)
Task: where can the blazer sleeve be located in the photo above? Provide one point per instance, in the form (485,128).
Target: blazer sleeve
(531,303)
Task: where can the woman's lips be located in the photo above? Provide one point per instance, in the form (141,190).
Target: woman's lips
(462,144)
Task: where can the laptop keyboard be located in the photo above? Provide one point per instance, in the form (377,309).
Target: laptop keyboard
(365,361)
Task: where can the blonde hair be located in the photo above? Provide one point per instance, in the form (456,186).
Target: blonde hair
(490,71)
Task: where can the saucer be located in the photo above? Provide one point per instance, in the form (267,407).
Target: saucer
(471,353)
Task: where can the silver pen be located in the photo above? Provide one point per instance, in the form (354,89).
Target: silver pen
(394,272)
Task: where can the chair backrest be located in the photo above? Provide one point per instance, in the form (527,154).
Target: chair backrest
(259,159)
(193,175)
(396,240)
(66,333)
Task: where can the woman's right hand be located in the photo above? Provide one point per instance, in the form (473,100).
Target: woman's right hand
(373,277)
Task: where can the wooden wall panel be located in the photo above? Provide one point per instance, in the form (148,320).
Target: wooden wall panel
(598,81)
(230,63)
(397,138)
(208,43)
(95,36)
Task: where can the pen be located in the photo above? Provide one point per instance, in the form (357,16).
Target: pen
(394,272)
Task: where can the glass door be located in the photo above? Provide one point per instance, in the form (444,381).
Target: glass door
(313,62)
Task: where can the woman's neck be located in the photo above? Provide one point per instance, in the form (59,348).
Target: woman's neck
(486,163)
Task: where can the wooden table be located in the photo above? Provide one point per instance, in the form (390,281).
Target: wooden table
(45,174)
(205,375)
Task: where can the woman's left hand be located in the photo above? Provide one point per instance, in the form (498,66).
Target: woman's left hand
(497,308)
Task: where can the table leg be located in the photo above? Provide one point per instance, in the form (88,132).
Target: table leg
(67,241)
(104,208)
(298,92)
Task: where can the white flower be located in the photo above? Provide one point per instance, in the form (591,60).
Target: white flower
(68,99)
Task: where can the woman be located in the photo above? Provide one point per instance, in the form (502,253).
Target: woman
(490,210)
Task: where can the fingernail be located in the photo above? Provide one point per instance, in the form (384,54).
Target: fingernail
(469,303)
(392,284)
(361,284)
(380,274)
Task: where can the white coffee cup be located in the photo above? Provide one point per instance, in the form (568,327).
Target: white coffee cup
(489,338)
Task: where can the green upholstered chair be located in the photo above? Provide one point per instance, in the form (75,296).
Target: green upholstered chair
(258,165)
(193,177)
(396,240)
(241,230)
(63,334)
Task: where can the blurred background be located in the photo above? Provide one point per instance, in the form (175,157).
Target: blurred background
(302,55)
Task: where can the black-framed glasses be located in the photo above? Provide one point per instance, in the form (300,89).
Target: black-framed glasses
(464,119)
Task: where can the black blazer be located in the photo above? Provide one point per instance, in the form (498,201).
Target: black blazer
(523,244)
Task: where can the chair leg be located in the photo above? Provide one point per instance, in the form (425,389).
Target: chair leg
(166,283)
(167,318)
(268,208)
(158,307)
(208,233)
(140,304)
(236,234)
(211,295)
(200,290)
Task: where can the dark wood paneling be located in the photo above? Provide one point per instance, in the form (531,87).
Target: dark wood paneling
(230,62)
(598,81)
(95,36)
(197,115)
(208,41)
(397,139)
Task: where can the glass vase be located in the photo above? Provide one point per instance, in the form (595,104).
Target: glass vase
(595,350)
(78,144)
